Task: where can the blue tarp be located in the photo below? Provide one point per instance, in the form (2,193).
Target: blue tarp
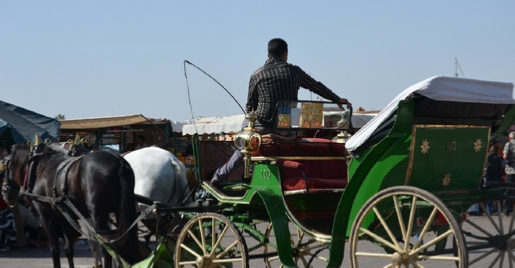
(18,125)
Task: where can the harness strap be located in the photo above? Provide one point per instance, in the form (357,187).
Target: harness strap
(62,170)
(63,202)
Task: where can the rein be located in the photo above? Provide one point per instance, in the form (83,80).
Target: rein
(63,203)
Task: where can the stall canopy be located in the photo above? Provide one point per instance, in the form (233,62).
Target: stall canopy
(107,122)
(18,125)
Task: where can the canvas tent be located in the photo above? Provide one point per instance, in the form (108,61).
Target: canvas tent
(18,125)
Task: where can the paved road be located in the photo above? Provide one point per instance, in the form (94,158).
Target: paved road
(40,257)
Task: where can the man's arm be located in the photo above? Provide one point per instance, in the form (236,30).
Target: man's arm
(308,82)
(252,98)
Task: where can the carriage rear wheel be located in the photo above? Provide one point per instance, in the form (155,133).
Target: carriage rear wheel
(210,240)
(413,226)
(492,235)
(305,249)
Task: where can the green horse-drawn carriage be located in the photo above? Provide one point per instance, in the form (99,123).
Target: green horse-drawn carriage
(397,191)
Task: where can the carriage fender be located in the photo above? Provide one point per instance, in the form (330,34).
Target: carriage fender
(277,212)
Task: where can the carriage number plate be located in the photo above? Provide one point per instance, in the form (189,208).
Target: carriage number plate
(266,174)
(451,146)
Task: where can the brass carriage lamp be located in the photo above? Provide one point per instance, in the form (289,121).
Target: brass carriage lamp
(342,137)
(248,141)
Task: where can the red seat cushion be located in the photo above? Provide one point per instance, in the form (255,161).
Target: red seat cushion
(320,174)
(299,183)
(303,147)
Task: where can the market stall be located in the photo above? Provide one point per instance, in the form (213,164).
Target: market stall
(121,132)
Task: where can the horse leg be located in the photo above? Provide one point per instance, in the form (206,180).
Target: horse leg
(52,230)
(101,225)
(18,220)
(69,239)
(94,245)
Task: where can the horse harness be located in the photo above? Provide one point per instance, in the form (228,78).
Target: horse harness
(62,202)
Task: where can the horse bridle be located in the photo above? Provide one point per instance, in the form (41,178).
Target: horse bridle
(10,188)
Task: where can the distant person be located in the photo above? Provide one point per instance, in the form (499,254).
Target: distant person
(8,234)
(509,157)
(493,172)
(273,82)
(140,142)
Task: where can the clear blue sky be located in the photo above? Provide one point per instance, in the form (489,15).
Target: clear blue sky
(107,58)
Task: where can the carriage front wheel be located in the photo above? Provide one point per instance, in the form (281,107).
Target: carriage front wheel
(210,240)
(405,226)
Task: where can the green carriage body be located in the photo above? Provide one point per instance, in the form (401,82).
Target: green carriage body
(421,144)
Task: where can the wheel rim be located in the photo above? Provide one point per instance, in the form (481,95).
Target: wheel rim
(304,249)
(210,240)
(395,215)
(493,239)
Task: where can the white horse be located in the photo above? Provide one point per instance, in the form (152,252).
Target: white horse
(159,176)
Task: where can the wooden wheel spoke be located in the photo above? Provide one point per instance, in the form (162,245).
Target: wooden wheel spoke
(478,228)
(374,255)
(498,205)
(194,237)
(410,222)
(233,245)
(274,258)
(304,261)
(426,227)
(511,258)
(379,239)
(213,232)
(439,258)
(432,242)
(501,262)
(482,256)
(399,217)
(385,226)
(219,240)
(187,263)
(228,260)
(490,219)
(190,251)
(495,260)
(214,250)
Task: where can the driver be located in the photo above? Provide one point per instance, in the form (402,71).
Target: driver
(275,81)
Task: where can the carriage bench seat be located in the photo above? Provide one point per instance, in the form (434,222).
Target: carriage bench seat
(311,176)
(302,147)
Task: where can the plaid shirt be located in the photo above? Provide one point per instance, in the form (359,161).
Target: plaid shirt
(278,80)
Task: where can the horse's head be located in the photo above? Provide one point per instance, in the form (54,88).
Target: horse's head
(13,172)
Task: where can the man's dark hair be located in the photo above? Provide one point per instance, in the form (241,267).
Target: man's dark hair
(276,47)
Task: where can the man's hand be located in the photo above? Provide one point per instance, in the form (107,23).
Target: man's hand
(343,101)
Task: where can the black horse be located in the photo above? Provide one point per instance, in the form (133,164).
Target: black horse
(96,184)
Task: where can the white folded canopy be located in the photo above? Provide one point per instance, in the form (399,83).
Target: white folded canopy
(439,88)
(218,124)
